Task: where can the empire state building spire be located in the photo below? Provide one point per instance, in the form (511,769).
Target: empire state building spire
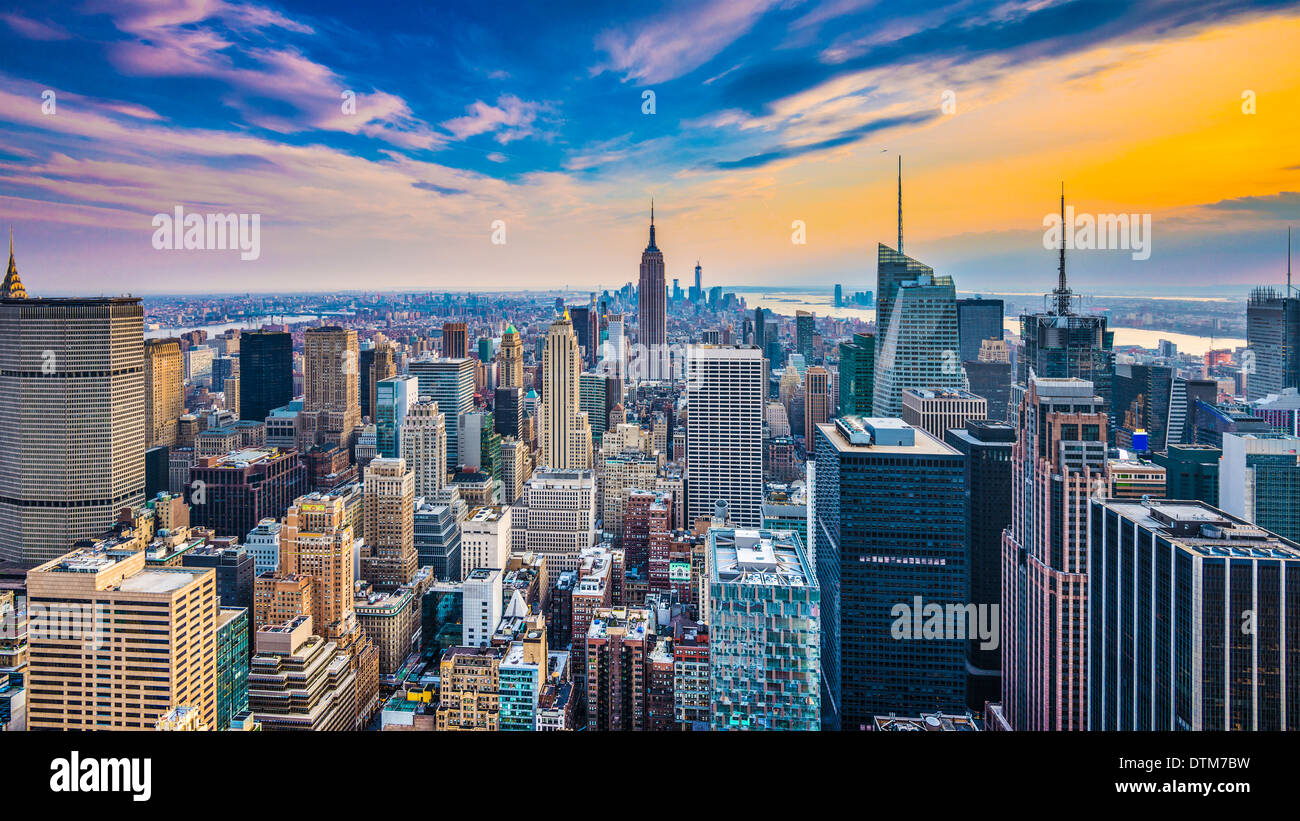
(651,246)
(652,301)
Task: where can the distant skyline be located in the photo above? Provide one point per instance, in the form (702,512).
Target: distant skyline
(766,112)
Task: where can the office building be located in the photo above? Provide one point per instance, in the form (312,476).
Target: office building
(818,406)
(424,446)
(234,566)
(1058,462)
(987,449)
(978,319)
(469,696)
(73,396)
(1259,481)
(485,539)
(265,373)
(510,360)
(455,340)
(938,410)
(555,517)
(888,531)
(331,386)
(1273,341)
(164,391)
(725,389)
(394,398)
(1189,620)
(764,632)
(263,543)
(1191,472)
(561,367)
(857,375)
(437,533)
(652,315)
(163,655)
(299,680)
(449,383)
(389,559)
(232,656)
(483,606)
(919,349)
(232,493)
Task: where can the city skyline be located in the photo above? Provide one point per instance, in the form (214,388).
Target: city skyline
(764,114)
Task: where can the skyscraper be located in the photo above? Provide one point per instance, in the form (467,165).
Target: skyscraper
(561,366)
(887,535)
(978,319)
(893,268)
(424,446)
(455,340)
(919,348)
(450,383)
(265,373)
(555,517)
(331,385)
(1190,620)
(164,391)
(652,316)
(12,288)
(1273,340)
(163,655)
(1061,344)
(986,446)
(389,559)
(1259,481)
(764,632)
(1059,459)
(510,360)
(804,328)
(725,388)
(857,375)
(818,406)
(72,397)
(394,398)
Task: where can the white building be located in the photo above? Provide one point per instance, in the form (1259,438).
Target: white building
(725,392)
(556,517)
(263,542)
(424,445)
(485,539)
(482,607)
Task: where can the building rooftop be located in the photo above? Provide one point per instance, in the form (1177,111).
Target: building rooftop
(1207,531)
(772,558)
(857,434)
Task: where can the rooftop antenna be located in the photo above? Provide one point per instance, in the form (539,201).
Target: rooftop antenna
(900,203)
(1062,291)
(1288,257)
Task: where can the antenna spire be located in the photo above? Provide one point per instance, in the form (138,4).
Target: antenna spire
(1062,289)
(900,203)
(652,225)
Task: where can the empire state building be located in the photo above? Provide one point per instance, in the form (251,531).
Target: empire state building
(652,320)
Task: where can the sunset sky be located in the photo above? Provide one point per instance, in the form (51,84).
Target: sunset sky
(531,113)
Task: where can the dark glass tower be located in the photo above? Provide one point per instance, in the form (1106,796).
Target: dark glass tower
(977,320)
(857,375)
(265,373)
(889,526)
(987,446)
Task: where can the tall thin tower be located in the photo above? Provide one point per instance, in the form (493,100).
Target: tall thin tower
(561,364)
(652,320)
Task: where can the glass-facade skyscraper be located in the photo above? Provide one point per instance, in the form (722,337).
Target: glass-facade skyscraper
(265,373)
(888,526)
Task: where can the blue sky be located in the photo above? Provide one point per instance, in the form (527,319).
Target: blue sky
(532,114)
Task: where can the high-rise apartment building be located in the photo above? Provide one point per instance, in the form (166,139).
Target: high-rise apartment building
(449,383)
(72,444)
(113,644)
(1189,620)
(652,308)
(389,560)
(164,391)
(725,389)
(1058,462)
(510,360)
(331,384)
(233,492)
(887,538)
(619,642)
(764,632)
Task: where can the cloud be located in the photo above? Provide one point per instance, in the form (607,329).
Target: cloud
(36,29)
(510,119)
(1284,205)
